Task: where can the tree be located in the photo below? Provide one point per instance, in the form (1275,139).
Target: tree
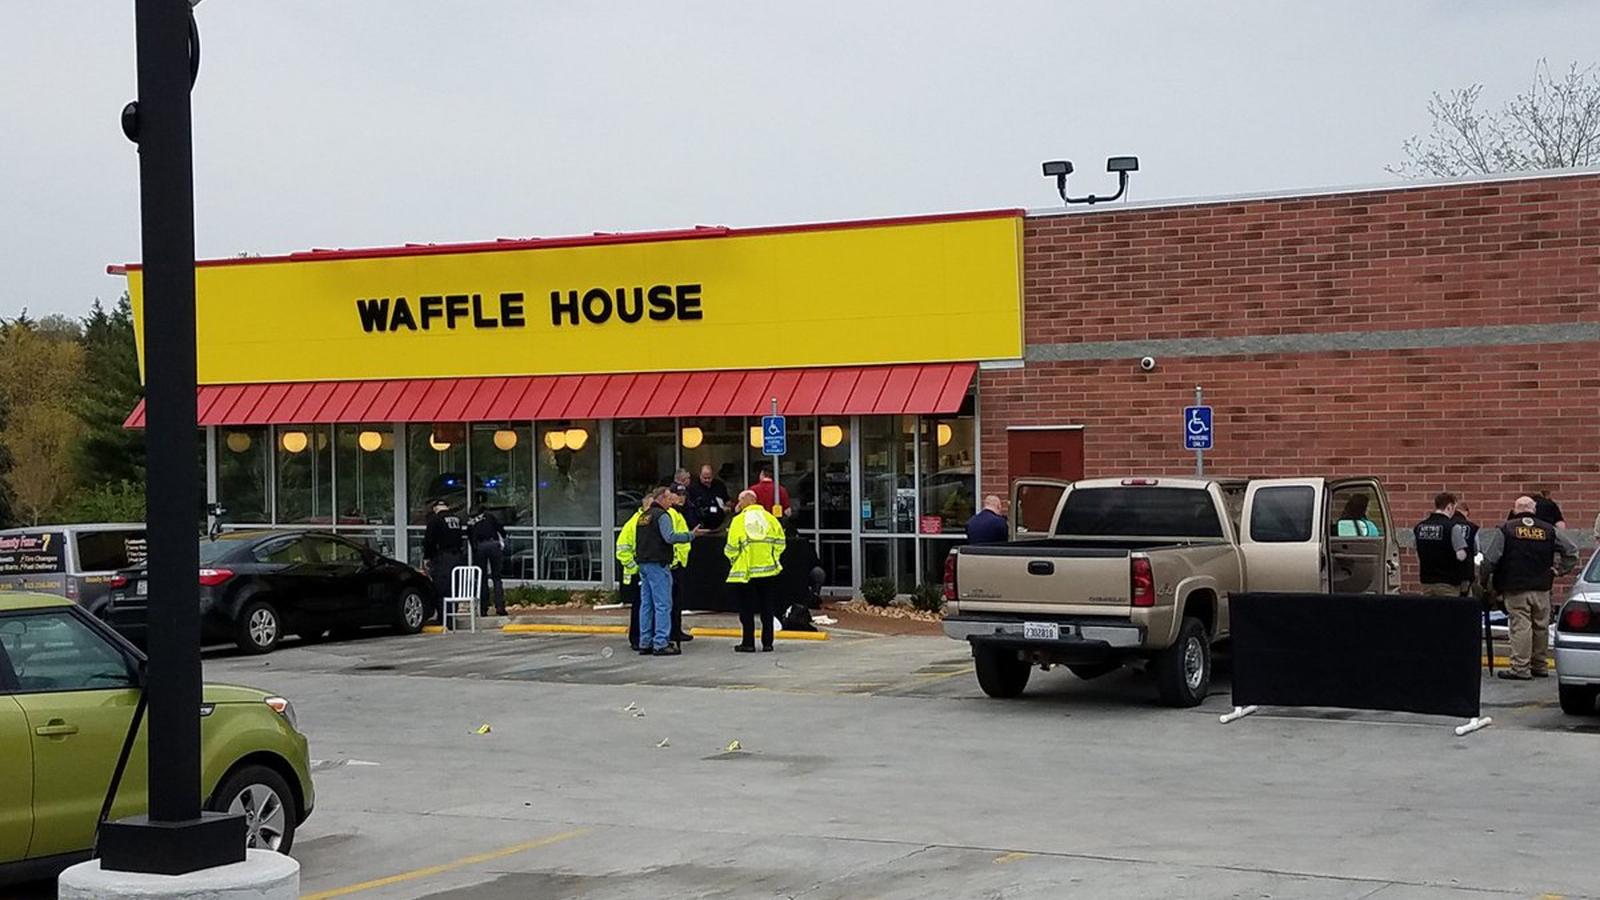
(41,376)
(1554,124)
(109,453)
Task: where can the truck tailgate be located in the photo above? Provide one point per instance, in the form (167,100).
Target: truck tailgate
(1022,578)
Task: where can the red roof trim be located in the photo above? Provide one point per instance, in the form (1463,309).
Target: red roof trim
(699,232)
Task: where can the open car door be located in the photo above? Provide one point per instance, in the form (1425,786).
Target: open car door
(1363,553)
(1034,502)
(1282,536)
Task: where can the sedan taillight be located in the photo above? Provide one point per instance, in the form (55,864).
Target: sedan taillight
(1579,617)
(214,577)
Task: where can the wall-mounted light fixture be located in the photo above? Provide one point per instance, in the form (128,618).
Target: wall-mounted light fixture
(1059,169)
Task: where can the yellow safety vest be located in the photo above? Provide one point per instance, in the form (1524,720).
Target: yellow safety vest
(755,542)
(626,542)
(680,552)
(625,545)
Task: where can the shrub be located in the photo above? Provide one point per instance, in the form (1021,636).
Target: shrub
(928,597)
(879,591)
(537,595)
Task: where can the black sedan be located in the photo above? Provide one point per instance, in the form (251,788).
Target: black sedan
(257,586)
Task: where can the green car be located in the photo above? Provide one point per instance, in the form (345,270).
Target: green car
(68,687)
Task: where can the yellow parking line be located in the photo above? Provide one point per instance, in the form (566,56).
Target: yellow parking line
(461,863)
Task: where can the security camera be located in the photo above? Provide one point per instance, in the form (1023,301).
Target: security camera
(1148,363)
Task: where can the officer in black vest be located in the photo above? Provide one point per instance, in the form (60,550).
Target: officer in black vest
(1463,518)
(1523,557)
(1442,549)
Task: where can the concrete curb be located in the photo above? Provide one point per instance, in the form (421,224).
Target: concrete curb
(551,628)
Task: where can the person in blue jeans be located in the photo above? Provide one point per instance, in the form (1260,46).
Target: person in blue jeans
(653,551)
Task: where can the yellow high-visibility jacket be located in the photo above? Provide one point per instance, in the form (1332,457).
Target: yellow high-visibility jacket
(755,542)
(627,539)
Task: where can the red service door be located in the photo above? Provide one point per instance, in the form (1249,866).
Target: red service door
(1045,453)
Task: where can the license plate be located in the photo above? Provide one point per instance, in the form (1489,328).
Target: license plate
(1041,631)
(142,588)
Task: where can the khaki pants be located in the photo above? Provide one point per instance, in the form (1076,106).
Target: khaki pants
(1444,590)
(1530,629)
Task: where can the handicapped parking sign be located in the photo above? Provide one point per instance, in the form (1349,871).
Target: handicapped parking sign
(1197,428)
(774,436)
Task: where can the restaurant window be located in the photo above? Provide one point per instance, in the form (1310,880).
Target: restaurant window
(303,491)
(717,442)
(568,474)
(888,488)
(833,477)
(502,471)
(890,558)
(797,473)
(242,464)
(436,469)
(645,457)
(363,458)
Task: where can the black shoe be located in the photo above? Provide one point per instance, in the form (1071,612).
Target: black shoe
(1541,673)
(744,648)
(684,637)
(1509,675)
(766,648)
(668,650)
(645,651)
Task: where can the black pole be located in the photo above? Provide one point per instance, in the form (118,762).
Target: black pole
(174,838)
(166,213)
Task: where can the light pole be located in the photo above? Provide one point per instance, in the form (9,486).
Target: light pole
(176,837)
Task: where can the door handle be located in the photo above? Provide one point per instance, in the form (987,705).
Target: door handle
(1041,567)
(55,728)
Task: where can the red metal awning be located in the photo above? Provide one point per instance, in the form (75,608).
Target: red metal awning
(835,391)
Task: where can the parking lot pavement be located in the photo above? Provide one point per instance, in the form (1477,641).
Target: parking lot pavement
(874,767)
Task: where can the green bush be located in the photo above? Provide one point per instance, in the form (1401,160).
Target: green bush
(879,591)
(537,595)
(121,501)
(928,597)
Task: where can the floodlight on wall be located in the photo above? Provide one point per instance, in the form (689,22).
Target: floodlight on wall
(556,440)
(505,439)
(945,433)
(1059,169)
(294,441)
(576,438)
(370,441)
(692,437)
(831,435)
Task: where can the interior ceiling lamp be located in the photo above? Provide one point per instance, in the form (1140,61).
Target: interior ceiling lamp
(556,439)
(238,441)
(831,435)
(576,438)
(293,441)
(1059,169)
(944,433)
(505,439)
(692,437)
(755,435)
(370,441)
(435,443)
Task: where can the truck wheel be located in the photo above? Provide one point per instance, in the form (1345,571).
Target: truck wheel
(1000,673)
(1091,671)
(1577,699)
(1183,671)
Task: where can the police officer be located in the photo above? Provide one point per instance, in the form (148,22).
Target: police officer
(488,538)
(1443,545)
(1522,557)
(755,544)
(441,550)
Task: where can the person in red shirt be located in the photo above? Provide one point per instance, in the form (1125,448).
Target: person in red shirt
(763,490)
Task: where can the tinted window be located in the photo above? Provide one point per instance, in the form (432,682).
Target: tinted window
(53,651)
(1282,515)
(108,551)
(1355,512)
(330,550)
(297,550)
(1140,511)
(1593,573)
(216,551)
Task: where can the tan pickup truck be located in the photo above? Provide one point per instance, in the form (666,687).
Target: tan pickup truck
(1099,574)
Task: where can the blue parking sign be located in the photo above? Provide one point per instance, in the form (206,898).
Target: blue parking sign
(774,436)
(1197,431)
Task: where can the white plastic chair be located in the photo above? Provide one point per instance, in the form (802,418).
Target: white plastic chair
(466,583)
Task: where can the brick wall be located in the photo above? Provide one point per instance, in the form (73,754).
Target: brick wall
(1487,422)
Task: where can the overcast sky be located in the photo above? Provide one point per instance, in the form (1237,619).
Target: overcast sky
(366,122)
